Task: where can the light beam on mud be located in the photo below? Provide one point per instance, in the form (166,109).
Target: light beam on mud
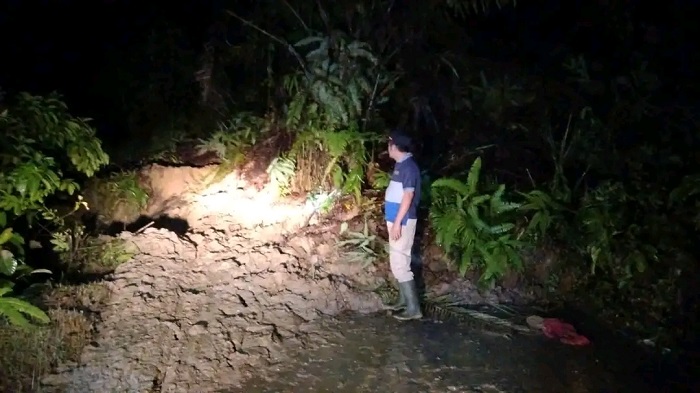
(235,197)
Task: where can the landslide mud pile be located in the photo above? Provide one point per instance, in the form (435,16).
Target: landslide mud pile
(202,309)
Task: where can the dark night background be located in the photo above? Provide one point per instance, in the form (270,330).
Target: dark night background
(74,47)
(130,66)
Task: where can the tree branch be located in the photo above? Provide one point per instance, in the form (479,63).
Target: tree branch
(370,106)
(296,14)
(373,96)
(278,40)
(324,17)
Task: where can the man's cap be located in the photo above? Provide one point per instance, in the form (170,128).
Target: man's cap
(398,137)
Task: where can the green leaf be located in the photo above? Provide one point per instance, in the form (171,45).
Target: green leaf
(476,201)
(452,184)
(8,263)
(308,41)
(473,177)
(15,310)
(5,236)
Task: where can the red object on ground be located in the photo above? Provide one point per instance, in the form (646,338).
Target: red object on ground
(566,333)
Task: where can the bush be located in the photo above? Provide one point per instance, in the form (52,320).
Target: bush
(43,146)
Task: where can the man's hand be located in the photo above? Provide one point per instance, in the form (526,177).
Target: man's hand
(395,232)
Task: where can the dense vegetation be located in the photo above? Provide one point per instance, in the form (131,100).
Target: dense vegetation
(527,143)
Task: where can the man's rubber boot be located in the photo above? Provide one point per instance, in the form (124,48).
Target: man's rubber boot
(412,310)
(400,303)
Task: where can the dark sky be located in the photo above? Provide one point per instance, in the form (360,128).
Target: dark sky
(59,45)
(62,45)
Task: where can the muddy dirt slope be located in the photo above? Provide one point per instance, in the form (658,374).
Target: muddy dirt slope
(218,287)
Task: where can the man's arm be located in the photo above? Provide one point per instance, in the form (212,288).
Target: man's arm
(405,204)
(409,183)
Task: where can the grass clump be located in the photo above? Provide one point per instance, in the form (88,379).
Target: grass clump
(31,353)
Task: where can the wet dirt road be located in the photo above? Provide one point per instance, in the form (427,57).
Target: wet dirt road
(379,354)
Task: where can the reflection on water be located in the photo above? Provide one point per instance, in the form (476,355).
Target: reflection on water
(379,354)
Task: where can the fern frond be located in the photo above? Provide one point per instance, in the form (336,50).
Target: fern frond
(465,7)
(450,184)
(501,228)
(476,201)
(354,97)
(473,177)
(16,311)
(308,41)
(467,256)
(478,223)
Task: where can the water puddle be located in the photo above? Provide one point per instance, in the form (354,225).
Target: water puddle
(380,354)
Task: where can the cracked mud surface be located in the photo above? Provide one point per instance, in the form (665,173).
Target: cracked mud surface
(203,310)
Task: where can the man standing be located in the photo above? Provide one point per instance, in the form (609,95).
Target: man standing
(400,211)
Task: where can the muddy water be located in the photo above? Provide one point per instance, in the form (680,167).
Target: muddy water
(379,354)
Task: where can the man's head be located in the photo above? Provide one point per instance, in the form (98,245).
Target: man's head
(399,145)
